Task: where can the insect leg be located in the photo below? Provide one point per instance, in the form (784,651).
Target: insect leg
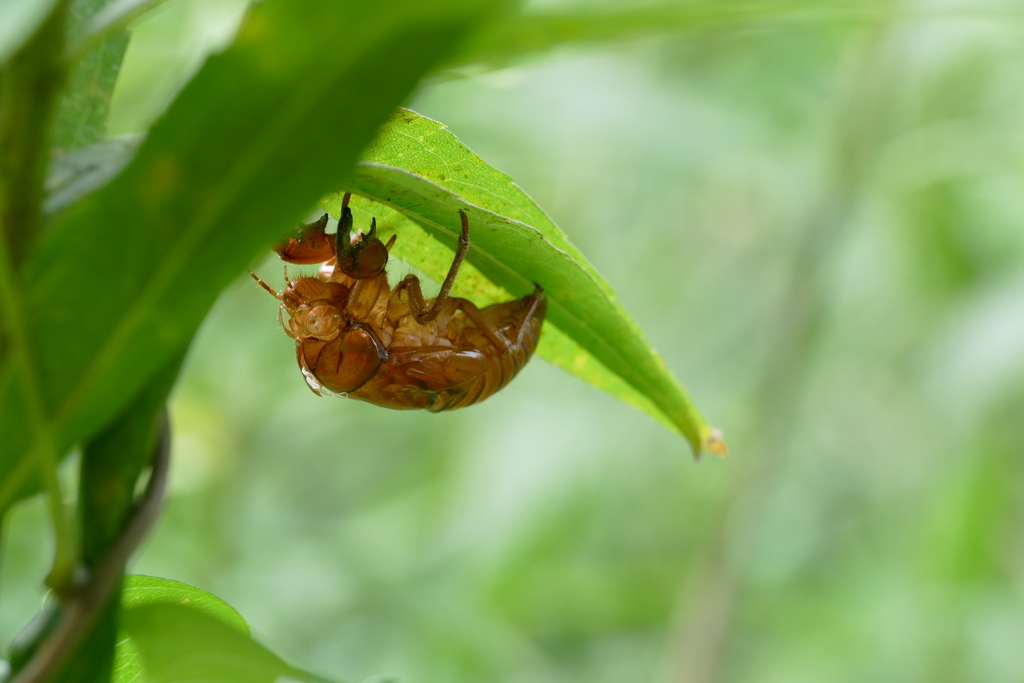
(367,258)
(538,300)
(484,325)
(264,285)
(342,244)
(524,311)
(417,304)
(422,316)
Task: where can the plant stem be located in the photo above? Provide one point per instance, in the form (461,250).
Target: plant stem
(93,594)
(44,452)
(704,634)
(32,81)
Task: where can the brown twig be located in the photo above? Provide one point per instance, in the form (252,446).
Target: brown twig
(92,594)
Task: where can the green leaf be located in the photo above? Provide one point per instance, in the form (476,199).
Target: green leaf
(110,465)
(82,114)
(18,19)
(121,280)
(427,175)
(179,643)
(140,591)
(112,17)
(175,632)
(127,662)
(530,34)
(87,169)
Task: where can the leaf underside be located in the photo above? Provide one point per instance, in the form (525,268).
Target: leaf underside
(425,175)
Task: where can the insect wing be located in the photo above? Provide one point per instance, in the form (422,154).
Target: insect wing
(344,364)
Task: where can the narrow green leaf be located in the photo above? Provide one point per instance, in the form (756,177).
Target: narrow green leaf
(87,169)
(122,279)
(82,114)
(529,34)
(18,19)
(113,17)
(30,83)
(427,175)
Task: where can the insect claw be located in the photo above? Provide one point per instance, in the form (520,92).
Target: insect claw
(373,228)
(342,238)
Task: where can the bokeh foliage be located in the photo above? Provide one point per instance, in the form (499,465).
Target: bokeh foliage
(818,223)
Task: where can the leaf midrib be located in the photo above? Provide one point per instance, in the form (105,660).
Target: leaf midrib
(660,395)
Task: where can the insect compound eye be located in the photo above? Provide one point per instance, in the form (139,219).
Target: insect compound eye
(320,321)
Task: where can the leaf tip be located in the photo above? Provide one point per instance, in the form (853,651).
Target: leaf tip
(712,441)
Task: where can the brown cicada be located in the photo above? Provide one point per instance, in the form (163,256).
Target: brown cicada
(357,336)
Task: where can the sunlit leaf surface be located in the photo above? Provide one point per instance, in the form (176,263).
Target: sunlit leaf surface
(152,590)
(177,643)
(174,633)
(140,591)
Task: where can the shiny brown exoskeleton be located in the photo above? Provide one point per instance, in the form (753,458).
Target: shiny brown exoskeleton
(357,336)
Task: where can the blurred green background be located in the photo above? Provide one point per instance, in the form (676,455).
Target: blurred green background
(817,218)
